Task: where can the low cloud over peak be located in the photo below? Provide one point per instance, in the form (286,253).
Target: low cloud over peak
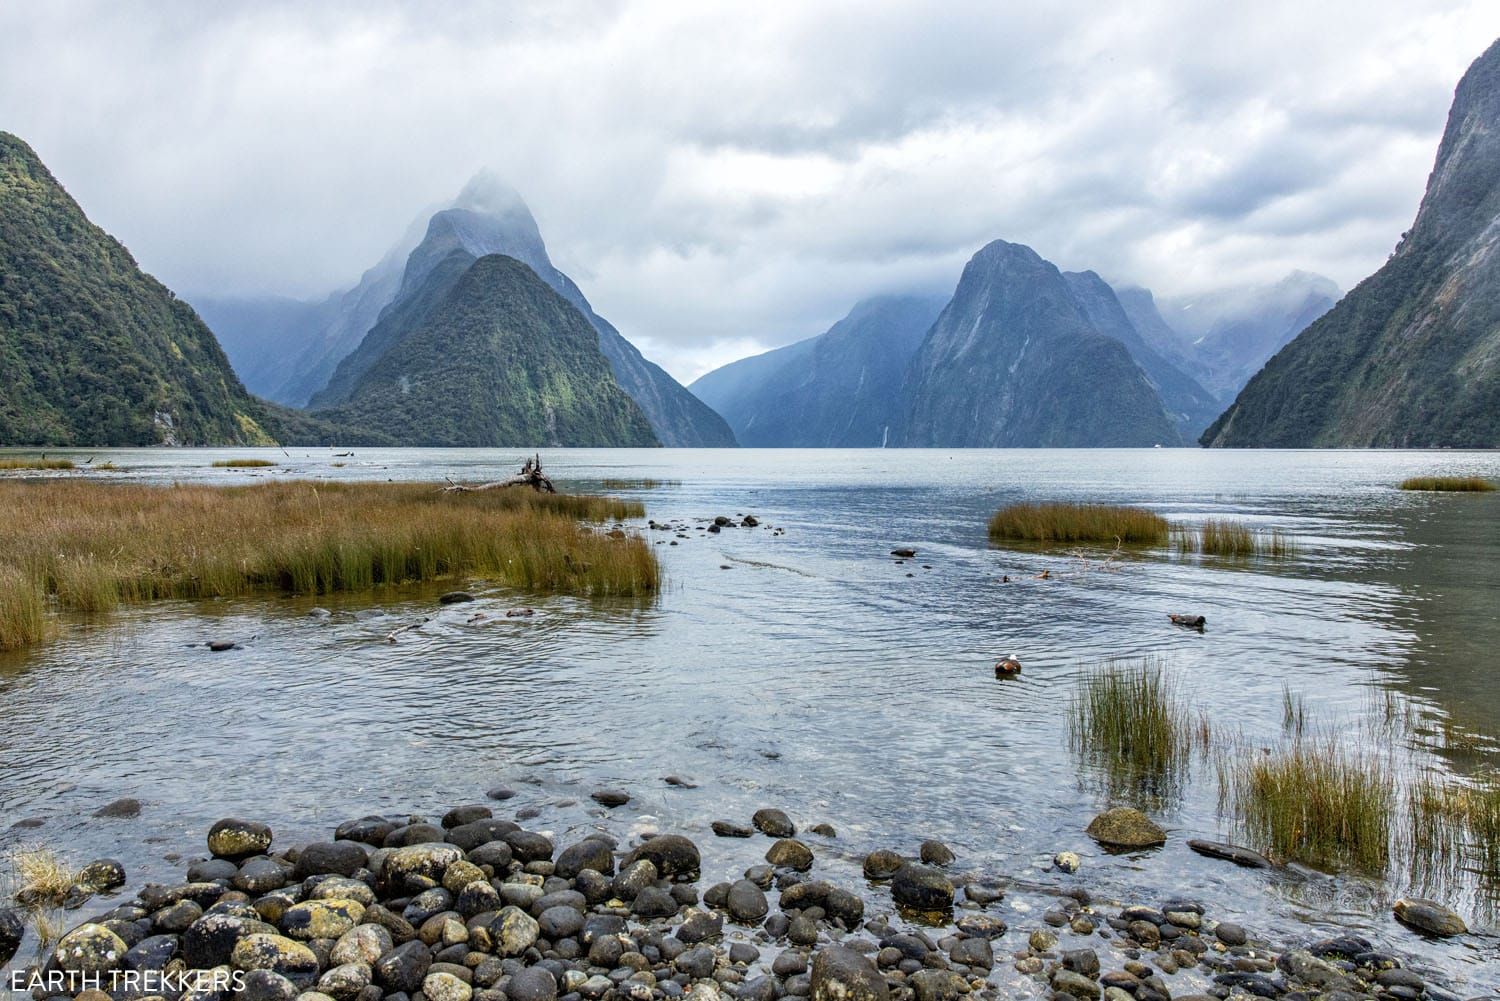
(721,178)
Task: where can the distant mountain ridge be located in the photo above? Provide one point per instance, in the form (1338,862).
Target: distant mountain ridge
(1411,356)
(1229,334)
(1007,360)
(94,351)
(1191,406)
(839,389)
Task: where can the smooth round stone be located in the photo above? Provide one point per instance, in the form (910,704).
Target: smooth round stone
(445,987)
(276,953)
(773,823)
(532,984)
(236,839)
(921,888)
(746,903)
(841,974)
(610,798)
(88,949)
(789,853)
(674,856)
(461,815)
(882,864)
(259,876)
(1429,916)
(1125,827)
(338,858)
(101,875)
(560,921)
(936,853)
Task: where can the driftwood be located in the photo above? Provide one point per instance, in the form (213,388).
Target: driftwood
(531,475)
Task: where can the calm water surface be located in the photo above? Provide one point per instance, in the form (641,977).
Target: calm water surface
(807,670)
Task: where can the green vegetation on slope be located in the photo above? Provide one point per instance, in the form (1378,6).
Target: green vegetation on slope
(499,360)
(95,351)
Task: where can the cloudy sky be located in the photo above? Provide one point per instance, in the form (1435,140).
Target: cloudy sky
(725,177)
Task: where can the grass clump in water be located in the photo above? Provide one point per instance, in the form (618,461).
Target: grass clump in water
(23,609)
(1314,802)
(243,463)
(1233,540)
(1062,521)
(1130,720)
(1448,484)
(38,877)
(30,462)
(1455,827)
(93,546)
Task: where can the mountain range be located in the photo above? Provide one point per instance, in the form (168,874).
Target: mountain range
(1021,353)
(1411,356)
(486,218)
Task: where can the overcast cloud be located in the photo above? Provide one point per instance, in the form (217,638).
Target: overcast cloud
(724,177)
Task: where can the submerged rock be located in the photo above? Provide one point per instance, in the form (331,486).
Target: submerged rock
(1125,827)
(922,888)
(1429,916)
(1229,853)
(773,823)
(674,856)
(120,809)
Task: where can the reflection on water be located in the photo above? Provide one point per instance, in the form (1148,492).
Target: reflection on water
(809,670)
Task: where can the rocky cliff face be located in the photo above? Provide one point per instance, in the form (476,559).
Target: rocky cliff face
(1012,361)
(1411,356)
(493,357)
(841,389)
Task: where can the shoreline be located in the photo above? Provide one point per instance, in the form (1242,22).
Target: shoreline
(484,898)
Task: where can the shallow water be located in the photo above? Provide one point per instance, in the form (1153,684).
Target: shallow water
(815,673)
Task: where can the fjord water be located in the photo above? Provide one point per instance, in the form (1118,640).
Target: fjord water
(808,670)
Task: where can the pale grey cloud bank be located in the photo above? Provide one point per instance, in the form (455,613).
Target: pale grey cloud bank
(720,178)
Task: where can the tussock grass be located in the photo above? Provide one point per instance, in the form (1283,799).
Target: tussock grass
(1450,484)
(38,877)
(31,462)
(243,463)
(1131,720)
(93,546)
(1232,540)
(1059,521)
(1313,801)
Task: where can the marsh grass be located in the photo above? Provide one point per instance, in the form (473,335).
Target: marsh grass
(1068,522)
(1448,484)
(23,609)
(31,462)
(93,546)
(243,463)
(1131,721)
(1314,801)
(1232,540)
